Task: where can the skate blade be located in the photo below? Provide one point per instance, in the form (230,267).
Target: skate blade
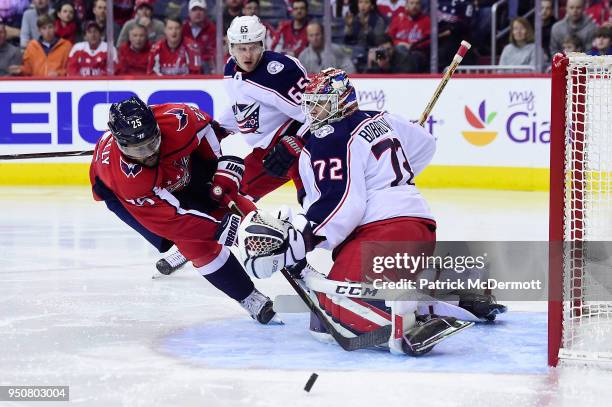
(276,321)
(457,327)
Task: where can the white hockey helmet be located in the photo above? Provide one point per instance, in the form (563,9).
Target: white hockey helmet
(245,29)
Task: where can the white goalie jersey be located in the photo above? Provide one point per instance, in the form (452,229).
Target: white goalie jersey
(361,170)
(265,101)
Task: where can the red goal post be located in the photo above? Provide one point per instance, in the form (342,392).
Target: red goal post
(580,223)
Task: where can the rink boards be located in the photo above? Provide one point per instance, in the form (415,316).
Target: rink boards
(493,132)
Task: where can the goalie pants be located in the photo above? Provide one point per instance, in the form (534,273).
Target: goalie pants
(414,236)
(256,183)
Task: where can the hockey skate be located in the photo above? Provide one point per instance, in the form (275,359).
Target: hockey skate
(173,261)
(482,306)
(260,308)
(429,331)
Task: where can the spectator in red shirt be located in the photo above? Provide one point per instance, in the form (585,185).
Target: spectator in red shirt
(390,8)
(599,12)
(88,58)
(251,8)
(201,30)
(144,17)
(412,28)
(291,37)
(134,54)
(174,55)
(66,26)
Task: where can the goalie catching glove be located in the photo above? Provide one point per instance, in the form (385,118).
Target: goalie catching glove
(267,244)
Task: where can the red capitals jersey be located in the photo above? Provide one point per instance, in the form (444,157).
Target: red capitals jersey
(206,39)
(84,61)
(132,62)
(389,9)
(412,30)
(149,194)
(288,40)
(184,59)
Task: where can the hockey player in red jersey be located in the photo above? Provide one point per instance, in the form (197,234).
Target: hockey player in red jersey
(358,170)
(155,169)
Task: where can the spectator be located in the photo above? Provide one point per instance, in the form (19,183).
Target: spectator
(10,55)
(390,8)
(316,57)
(388,59)
(291,38)
(575,23)
(602,42)
(46,56)
(134,54)
(123,11)
(143,17)
(11,13)
(201,30)
(365,29)
(599,12)
(572,43)
(455,18)
(29,28)
(251,8)
(521,50)
(88,58)
(174,55)
(99,16)
(232,9)
(548,20)
(66,26)
(411,29)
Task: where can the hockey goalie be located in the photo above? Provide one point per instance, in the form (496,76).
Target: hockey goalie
(358,170)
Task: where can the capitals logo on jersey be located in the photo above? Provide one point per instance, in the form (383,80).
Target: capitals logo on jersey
(181,116)
(247,117)
(130,169)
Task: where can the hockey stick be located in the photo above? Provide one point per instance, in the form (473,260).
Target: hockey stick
(52,154)
(361,341)
(463,49)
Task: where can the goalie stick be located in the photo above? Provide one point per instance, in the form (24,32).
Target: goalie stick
(463,49)
(361,341)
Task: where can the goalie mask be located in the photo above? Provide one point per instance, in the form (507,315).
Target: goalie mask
(328,98)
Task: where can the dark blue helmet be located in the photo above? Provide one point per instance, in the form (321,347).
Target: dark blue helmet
(132,122)
(134,127)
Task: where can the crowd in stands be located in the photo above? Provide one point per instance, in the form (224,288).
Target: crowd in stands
(178,37)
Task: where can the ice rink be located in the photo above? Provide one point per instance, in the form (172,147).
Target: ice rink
(78,307)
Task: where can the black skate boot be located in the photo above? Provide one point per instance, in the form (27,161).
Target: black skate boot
(171,262)
(259,307)
(430,331)
(482,306)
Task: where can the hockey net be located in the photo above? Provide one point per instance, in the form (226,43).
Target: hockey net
(580,303)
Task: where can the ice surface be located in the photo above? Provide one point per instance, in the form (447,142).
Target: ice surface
(78,307)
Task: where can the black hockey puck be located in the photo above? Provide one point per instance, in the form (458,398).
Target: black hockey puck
(311,381)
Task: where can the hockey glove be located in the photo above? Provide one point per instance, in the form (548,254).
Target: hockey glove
(227,232)
(227,178)
(282,156)
(220,132)
(267,244)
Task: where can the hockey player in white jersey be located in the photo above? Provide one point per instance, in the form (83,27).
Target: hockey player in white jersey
(265,89)
(358,169)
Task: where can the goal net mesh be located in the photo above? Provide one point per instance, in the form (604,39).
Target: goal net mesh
(587,274)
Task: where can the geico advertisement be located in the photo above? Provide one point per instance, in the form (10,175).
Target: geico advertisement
(478,122)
